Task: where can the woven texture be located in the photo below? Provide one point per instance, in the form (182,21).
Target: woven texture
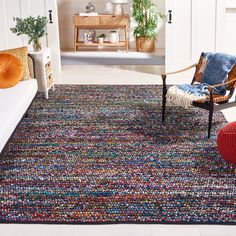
(100,154)
(216,99)
(226,142)
(201,67)
(22,55)
(216,71)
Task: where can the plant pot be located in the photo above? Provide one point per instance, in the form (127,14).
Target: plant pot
(100,40)
(37,45)
(145,44)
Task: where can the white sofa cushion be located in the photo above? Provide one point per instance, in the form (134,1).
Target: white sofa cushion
(14,102)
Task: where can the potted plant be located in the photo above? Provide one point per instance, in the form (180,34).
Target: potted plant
(148,20)
(33,27)
(101,38)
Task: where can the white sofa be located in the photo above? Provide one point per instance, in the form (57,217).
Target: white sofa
(14,103)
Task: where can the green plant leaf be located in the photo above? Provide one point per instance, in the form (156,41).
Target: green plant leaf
(33,27)
(147,17)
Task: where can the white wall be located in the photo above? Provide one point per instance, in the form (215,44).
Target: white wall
(8,10)
(230,32)
(67,8)
(23,9)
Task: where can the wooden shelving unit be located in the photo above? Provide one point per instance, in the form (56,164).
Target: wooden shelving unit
(101,22)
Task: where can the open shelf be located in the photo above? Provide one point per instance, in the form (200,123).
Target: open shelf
(105,44)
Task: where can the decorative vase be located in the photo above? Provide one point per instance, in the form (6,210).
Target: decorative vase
(145,44)
(118,10)
(37,45)
(114,37)
(90,8)
(100,40)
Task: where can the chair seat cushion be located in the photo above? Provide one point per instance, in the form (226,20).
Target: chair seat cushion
(11,70)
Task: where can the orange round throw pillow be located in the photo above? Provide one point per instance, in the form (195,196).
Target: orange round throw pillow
(11,70)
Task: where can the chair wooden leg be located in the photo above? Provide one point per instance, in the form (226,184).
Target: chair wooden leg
(211,110)
(164,98)
(163,107)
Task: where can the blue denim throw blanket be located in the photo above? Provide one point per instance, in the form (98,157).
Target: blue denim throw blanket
(216,71)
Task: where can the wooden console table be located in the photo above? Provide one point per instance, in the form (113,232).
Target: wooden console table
(101,22)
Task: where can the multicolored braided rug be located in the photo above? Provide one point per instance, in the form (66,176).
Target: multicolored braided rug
(100,154)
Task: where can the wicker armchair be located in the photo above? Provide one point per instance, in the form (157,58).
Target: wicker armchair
(212,102)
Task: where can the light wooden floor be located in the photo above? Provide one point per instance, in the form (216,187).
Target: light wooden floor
(87,74)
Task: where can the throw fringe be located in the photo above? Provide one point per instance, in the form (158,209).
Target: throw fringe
(177,97)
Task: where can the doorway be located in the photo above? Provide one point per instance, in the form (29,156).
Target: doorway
(101,55)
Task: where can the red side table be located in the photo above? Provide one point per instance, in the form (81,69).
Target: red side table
(226,142)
